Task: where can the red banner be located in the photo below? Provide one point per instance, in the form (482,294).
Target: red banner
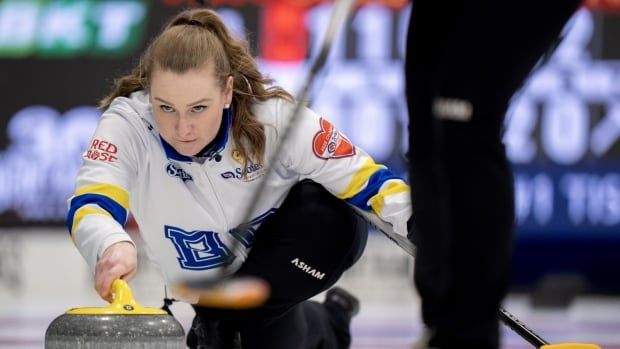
(604,5)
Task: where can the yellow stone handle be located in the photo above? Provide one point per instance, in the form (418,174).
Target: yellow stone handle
(123,303)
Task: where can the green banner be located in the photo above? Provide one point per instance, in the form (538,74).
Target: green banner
(71,28)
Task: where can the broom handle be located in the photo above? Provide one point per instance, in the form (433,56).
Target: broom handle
(507,318)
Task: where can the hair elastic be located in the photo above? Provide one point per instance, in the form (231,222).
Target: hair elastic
(196,23)
(193,22)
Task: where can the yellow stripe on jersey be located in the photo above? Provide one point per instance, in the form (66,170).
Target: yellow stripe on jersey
(393,187)
(113,201)
(83,212)
(114,192)
(360,178)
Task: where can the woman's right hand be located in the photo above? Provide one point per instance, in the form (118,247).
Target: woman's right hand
(119,260)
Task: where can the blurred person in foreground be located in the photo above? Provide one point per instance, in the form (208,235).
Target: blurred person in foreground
(465,60)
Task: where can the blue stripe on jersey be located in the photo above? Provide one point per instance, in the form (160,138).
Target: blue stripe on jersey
(116,210)
(372,188)
(171,153)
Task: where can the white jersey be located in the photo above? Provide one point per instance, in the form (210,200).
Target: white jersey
(187,208)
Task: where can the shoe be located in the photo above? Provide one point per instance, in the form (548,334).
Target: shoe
(343,300)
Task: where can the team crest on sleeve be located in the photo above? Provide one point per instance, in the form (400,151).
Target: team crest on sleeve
(329,143)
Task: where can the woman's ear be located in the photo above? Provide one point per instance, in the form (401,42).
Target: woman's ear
(228,92)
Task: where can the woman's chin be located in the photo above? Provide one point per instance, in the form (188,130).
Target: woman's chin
(187,150)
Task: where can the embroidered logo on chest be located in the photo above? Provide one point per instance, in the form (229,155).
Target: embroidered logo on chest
(175,171)
(253,171)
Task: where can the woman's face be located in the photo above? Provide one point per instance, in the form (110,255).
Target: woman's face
(188,107)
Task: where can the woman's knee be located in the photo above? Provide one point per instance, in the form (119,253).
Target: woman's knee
(311,208)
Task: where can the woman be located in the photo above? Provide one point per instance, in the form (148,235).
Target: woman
(186,137)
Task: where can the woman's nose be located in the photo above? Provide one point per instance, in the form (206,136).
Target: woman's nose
(185,125)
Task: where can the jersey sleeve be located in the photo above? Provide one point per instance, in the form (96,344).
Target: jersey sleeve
(317,150)
(99,207)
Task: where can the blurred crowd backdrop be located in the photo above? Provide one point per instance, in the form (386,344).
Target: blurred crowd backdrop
(58,58)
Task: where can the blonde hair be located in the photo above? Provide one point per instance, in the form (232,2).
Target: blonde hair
(192,39)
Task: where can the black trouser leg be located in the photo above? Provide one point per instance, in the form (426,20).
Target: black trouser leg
(476,53)
(302,250)
(308,325)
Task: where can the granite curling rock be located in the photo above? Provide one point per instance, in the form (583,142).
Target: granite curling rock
(122,324)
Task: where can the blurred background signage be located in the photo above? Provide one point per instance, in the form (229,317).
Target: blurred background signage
(58,58)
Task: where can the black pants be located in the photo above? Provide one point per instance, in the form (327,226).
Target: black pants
(312,227)
(465,59)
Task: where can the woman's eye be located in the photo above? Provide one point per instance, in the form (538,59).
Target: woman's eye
(198,108)
(166,108)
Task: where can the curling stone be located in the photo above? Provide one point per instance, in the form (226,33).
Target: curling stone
(123,324)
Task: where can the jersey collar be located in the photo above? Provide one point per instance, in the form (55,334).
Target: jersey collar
(210,151)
